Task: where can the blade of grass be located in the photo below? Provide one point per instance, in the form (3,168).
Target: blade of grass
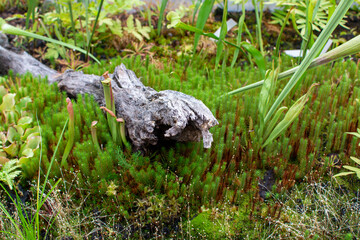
(338,15)
(8,29)
(31,12)
(94,28)
(72,21)
(196,8)
(223,31)
(204,13)
(259,59)
(240,30)
(258,26)
(52,160)
(278,41)
(349,48)
(161,16)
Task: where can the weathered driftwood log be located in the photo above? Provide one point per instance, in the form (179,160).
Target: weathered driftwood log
(149,115)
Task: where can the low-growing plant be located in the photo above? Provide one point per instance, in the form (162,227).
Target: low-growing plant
(19,140)
(99,26)
(8,172)
(353,170)
(8,29)
(324,210)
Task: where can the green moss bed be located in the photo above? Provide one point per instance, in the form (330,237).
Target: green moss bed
(235,190)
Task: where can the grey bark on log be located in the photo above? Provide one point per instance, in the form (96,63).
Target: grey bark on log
(149,115)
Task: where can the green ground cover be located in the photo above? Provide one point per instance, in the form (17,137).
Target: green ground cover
(183,189)
(244,187)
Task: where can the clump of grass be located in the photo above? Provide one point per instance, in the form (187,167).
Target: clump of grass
(324,210)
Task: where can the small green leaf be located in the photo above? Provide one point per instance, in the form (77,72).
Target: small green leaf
(28,152)
(9,172)
(23,103)
(33,142)
(12,135)
(12,149)
(24,122)
(343,174)
(3,92)
(8,102)
(173,18)
(34,131)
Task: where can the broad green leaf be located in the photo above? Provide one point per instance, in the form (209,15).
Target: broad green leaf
(12,149)
(24,122)
(27,152)
(23,103)
(8,102)
(33,142)
(12,134)
(19,129)
(3,92)
(30,131)
(173,18)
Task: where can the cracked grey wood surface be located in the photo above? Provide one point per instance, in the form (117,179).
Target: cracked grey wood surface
(149,115)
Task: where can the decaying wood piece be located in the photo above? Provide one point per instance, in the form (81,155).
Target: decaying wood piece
(21,63)
(149,115)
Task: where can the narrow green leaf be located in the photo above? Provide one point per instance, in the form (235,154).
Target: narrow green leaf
(204,13)
(273,122)
(196,8)
(8,29)
(161,16)
(349,48)
(223,31)
(240,30)
(354,169)
(258,57)
(94,27)
(342,174)
(338,15)
(355,160)
(290,116)
(278,41)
